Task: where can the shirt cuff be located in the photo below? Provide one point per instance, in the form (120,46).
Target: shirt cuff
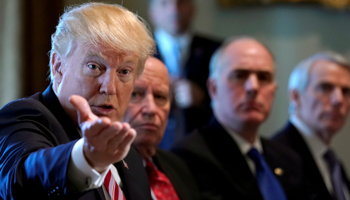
(80,174)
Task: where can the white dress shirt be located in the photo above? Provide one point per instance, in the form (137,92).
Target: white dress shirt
(166,44)
(82,176)
(245,146)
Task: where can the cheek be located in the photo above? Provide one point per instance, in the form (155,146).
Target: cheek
(124,93)
(163,117)
(132,114)
(346,107)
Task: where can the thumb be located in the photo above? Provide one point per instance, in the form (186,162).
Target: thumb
(83,109)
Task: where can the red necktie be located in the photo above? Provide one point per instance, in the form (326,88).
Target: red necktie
(112,187)
(160,184)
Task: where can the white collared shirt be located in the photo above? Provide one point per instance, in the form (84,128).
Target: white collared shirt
(166,43)
(245,146)
(82,176)
(317,148)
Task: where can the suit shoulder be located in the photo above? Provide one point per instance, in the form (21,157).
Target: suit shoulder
(31,103)
(30,107)
(208,43)
(169,156)
(191,142)
(206,39)
(278,150)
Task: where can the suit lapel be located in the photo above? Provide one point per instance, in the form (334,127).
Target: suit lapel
(299,145)
(230,158)
(133,174)
(173,177)
(50,100)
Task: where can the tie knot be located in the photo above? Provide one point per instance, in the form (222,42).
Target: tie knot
(331,158)
(151,168)
(254,154)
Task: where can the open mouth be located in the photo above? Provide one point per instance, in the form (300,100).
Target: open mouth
(106,107)
(103,109)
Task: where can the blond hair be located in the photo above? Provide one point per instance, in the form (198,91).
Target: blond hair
(110,26)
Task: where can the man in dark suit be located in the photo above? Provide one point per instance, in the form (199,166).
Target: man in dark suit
(62,143)
(186,55)
(147,113)
(220,154)
(319,89)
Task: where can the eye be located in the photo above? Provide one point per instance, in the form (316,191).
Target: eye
(93,66)
(264,77)
(325,87)
(346,92)
(136,96)
(93,69)
(239,75)
(161,99)
(125,71)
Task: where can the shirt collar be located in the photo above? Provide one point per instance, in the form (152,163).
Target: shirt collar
(242,144)
(315,144)
(166,40)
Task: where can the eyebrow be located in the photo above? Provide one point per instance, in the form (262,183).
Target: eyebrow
(91,54)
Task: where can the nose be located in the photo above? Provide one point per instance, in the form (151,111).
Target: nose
(109,82)
(252,83)
(148,105)
(337,97)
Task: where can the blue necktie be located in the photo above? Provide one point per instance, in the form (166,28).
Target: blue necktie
(336,175)
(269,186)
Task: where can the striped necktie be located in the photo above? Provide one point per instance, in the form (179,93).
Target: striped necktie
(336,175)
(112,187)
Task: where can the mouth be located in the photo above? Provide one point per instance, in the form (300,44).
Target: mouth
(148,126)
(102,109)
(251,106)
(334,116)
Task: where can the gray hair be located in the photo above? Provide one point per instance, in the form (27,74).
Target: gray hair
(110,26)
(299,78)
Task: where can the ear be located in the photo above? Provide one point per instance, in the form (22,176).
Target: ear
(294,97)
(211,86)
(56,69)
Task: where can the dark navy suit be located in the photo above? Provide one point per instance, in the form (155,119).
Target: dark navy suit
(36,139)
(196,69)
(221,171)
(290,136)
(178,173)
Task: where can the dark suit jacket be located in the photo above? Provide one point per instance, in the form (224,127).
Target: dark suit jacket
(178,173)
(196,70)
(291,137)
(36,139)
(222,172)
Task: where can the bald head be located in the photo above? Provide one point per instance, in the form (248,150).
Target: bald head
(242,85)
(154,69)
(234,48)
(149,107)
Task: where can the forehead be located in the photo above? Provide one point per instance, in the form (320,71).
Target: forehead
(154,76)
(247,55)
(327,71)
(88,50)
